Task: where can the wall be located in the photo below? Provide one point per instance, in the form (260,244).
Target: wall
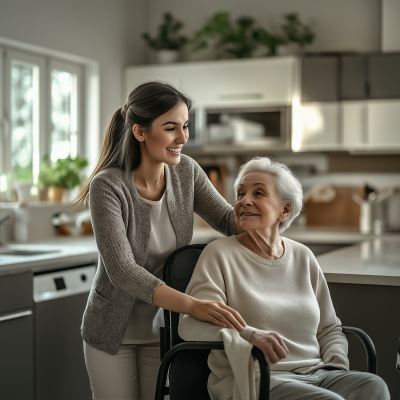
(103,30)
(340,25)
(390,25)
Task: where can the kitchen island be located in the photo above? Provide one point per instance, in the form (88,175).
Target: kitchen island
(364,281)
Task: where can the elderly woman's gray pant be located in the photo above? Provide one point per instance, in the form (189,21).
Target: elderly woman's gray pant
(332,385)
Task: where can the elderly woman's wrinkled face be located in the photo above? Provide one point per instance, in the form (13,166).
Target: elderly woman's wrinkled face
(258,205)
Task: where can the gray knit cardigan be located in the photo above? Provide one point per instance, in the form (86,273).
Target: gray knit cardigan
(121,224)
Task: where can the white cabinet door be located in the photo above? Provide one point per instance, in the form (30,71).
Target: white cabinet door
(226,83)
(319,127)
(383,124)
(354,124)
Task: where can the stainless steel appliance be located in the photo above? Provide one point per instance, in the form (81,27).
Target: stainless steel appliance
(60,298)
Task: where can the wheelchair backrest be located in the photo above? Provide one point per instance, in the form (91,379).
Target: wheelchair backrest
(177,273)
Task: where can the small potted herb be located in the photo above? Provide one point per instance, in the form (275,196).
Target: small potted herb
(230,40)
(167,42)
(62,174)
(295,34)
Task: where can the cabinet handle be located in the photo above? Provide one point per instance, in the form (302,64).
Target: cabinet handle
(16,315)
(243,96)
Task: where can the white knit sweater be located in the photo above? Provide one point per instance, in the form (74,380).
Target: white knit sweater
(289,296)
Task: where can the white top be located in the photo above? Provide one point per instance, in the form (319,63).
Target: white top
(146,319)
(289,296)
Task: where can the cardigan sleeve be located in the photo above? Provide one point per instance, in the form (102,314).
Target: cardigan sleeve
(332,342)
(113,245)
(207,284)
(210,205)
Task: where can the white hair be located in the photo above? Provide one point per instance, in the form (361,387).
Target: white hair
(289,187)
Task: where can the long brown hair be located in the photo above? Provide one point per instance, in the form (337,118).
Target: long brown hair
(120,147)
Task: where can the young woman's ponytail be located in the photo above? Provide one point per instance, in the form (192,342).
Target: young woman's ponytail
(120,147)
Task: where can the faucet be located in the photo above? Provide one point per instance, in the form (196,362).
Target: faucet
(4,219)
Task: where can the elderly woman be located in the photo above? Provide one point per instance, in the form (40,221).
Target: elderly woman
(279,289)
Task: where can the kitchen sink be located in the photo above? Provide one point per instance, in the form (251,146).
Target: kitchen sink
(15,252)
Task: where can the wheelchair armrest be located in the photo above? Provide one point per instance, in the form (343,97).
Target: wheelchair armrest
(368,345)
(168,358)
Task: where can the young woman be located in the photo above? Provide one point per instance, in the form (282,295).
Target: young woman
(142,195)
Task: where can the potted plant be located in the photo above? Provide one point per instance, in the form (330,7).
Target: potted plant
(230,40)
(167,42)
(269,40)
(62,174)
(295,34)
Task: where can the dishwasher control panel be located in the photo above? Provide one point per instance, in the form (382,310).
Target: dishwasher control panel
(53,285)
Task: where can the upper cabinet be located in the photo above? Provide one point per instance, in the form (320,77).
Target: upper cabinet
(320,126)
(352,76)
(319,79)
(236,102)
(263,81)
(366,91)
(383,124)
(383,76)
(355,77)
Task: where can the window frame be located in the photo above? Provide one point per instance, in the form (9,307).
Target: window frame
(29,60)
(2,120)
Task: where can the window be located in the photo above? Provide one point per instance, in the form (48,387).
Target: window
(65,99)
(40,113)
(24,120)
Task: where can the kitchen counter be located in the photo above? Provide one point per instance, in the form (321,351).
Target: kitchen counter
(60,252)
(303,235)
(372,262)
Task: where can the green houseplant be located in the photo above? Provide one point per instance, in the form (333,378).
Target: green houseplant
(167,42)
(230,40)
(63,174)
(269,40)
(296,35)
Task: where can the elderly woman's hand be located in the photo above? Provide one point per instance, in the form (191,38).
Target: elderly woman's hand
(271,344)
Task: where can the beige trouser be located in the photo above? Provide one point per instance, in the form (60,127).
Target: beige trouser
(131,374)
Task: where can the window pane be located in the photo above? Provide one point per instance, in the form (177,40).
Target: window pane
(63,115)
(24,121)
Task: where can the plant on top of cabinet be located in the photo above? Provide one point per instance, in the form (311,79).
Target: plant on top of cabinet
(62,174)
(295,34)
(231,40)
(167,42)
(269,40)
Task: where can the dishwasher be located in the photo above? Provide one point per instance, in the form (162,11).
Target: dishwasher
(60,297)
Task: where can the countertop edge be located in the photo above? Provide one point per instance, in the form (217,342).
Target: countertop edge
(362,279)
(63,261)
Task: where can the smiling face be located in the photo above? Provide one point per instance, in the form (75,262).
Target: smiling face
(166,137)
(258,206)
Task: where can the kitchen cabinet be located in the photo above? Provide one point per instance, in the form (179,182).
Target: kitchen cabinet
(226,83)
(319,127)
(371,125)
(354,124)
(383,124)
(319,79)
(353,77)
(374,309)
(16,337)
(383,76)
